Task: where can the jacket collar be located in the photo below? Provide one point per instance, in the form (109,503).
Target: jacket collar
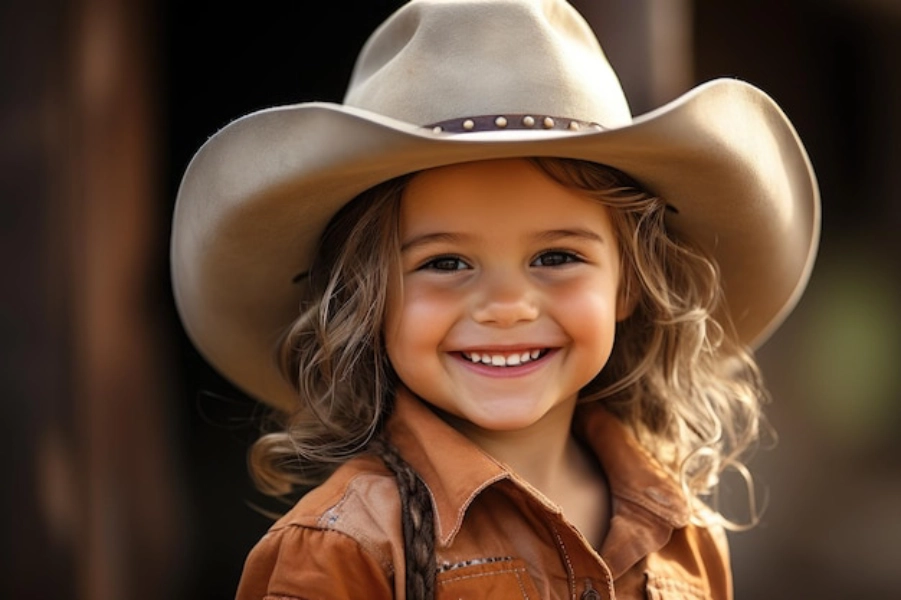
(632,473)
(456,470)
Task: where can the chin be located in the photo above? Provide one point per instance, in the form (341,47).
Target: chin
(505,425)
(504,417)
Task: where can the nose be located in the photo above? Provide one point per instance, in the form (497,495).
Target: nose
(504,298)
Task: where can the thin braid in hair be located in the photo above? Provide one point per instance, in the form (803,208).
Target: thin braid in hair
(418,519)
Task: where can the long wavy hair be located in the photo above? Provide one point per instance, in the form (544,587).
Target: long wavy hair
(678,375)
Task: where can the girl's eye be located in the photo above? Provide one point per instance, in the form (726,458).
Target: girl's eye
(554,258)
(445,263)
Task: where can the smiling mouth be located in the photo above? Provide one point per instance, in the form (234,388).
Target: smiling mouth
(505,359)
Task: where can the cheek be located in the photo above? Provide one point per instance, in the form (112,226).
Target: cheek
(589,314)
(416,325)
(416,322)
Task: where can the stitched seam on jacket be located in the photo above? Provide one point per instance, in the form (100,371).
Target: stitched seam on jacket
(522,587)
(386,565)
(663,514)
(516,571)
(388,569)
(570,572)
(329,517)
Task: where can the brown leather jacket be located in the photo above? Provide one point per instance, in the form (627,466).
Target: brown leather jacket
(496,536)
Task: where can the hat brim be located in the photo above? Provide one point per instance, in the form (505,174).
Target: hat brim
(258,194)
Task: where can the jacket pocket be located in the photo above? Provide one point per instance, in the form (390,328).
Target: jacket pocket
(667,588)
(498,578)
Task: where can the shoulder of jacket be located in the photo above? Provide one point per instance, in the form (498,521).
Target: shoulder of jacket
(360,500)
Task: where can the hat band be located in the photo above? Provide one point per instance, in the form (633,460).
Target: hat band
(517,121)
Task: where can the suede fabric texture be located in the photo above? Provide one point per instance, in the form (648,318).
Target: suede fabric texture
(257,195)
(497,537)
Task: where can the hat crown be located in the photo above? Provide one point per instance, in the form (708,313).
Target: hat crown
(435,60)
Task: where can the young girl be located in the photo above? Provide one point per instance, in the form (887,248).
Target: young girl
(505,327)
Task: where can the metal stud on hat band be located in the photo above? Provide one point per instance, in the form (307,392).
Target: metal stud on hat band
(517,121)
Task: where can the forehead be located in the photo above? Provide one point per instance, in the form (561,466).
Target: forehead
(486,194)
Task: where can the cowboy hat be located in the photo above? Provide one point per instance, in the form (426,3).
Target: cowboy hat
(449,81)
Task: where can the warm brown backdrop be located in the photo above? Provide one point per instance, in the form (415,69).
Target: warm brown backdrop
(125,453)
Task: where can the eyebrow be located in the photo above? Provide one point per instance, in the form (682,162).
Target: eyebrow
(431,238)
(551,235)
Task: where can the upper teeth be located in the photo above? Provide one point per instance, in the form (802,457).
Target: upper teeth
(503,360)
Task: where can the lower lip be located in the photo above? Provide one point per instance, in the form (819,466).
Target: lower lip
(501,372)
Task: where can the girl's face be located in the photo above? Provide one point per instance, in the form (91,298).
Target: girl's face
(506,303)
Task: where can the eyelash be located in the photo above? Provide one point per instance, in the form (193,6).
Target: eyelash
(432,264)
(567,258)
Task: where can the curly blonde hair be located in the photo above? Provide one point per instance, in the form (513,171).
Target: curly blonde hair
(678,375)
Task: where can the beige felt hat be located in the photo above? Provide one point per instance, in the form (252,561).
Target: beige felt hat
(448,81)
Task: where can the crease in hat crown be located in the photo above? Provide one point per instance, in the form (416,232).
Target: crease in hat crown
(518,56)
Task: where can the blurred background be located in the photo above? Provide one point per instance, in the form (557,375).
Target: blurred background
(126,453)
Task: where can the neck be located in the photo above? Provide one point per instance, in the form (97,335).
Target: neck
(544,454)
